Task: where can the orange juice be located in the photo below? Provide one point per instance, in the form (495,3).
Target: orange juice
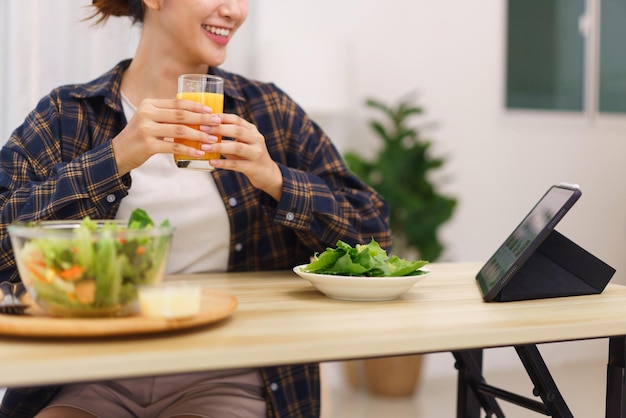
(213,100)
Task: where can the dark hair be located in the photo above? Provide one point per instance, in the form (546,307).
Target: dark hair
(107,8)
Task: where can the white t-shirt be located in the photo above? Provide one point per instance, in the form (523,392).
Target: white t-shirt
(191,202)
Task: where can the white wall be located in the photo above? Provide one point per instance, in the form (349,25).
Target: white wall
(46,44)
(450,52)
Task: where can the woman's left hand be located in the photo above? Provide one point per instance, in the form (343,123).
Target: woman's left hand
(247,154)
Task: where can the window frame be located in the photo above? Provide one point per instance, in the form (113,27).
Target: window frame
(589,27)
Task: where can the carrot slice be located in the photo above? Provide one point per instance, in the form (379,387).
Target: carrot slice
(72,274)
(37,270)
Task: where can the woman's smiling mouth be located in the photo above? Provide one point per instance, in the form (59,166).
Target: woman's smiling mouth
(214,30)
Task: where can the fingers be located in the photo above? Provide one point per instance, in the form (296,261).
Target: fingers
(175,118)
(178,105)
(247,154)
(248,145)
(178,111)
(157,119)
(233,126)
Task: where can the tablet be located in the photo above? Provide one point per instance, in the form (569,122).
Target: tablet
(526,239)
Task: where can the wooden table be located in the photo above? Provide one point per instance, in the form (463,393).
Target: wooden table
(282,319)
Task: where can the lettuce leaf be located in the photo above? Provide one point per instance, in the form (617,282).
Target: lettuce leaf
(362,260)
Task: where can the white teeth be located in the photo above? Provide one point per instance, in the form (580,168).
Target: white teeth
(217,31)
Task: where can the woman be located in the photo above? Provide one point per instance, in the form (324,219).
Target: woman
(281,193)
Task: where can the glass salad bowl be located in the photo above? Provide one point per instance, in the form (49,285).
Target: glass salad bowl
(89,268)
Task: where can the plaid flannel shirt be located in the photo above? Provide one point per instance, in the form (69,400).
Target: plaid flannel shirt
(59,164)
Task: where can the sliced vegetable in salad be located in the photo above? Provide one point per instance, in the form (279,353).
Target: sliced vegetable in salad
(362,260)
(97,264)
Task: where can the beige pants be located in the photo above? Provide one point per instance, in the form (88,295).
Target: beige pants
(222,394)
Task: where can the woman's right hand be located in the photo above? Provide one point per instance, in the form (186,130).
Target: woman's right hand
(153,126)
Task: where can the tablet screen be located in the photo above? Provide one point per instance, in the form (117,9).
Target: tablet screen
(526,238)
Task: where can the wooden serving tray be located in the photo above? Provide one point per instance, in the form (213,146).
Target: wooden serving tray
(215,306)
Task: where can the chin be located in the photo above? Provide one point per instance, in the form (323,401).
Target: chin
(215,59)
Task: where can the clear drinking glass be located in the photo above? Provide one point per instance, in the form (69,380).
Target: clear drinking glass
(208,90)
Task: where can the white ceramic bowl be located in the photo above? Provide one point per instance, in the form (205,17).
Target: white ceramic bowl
(360,288)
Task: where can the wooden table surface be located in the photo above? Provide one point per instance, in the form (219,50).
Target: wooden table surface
(282,319)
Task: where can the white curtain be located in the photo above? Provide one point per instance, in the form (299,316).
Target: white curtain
(44,44)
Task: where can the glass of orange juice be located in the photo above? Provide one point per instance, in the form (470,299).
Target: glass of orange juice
(208,90)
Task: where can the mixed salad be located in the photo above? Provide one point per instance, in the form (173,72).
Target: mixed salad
(82,271)
(362,260)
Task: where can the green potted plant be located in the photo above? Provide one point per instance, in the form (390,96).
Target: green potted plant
(400,172)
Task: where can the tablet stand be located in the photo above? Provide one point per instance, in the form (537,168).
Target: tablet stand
(557,268)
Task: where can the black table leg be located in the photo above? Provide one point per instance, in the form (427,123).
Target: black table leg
(467,405)
(474,394)
(615,387)
(545,387)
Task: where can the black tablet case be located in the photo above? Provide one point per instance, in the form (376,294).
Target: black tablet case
(557,268)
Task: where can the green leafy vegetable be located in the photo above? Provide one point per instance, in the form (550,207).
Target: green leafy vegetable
(81,271)
(139,219)
(362,260)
